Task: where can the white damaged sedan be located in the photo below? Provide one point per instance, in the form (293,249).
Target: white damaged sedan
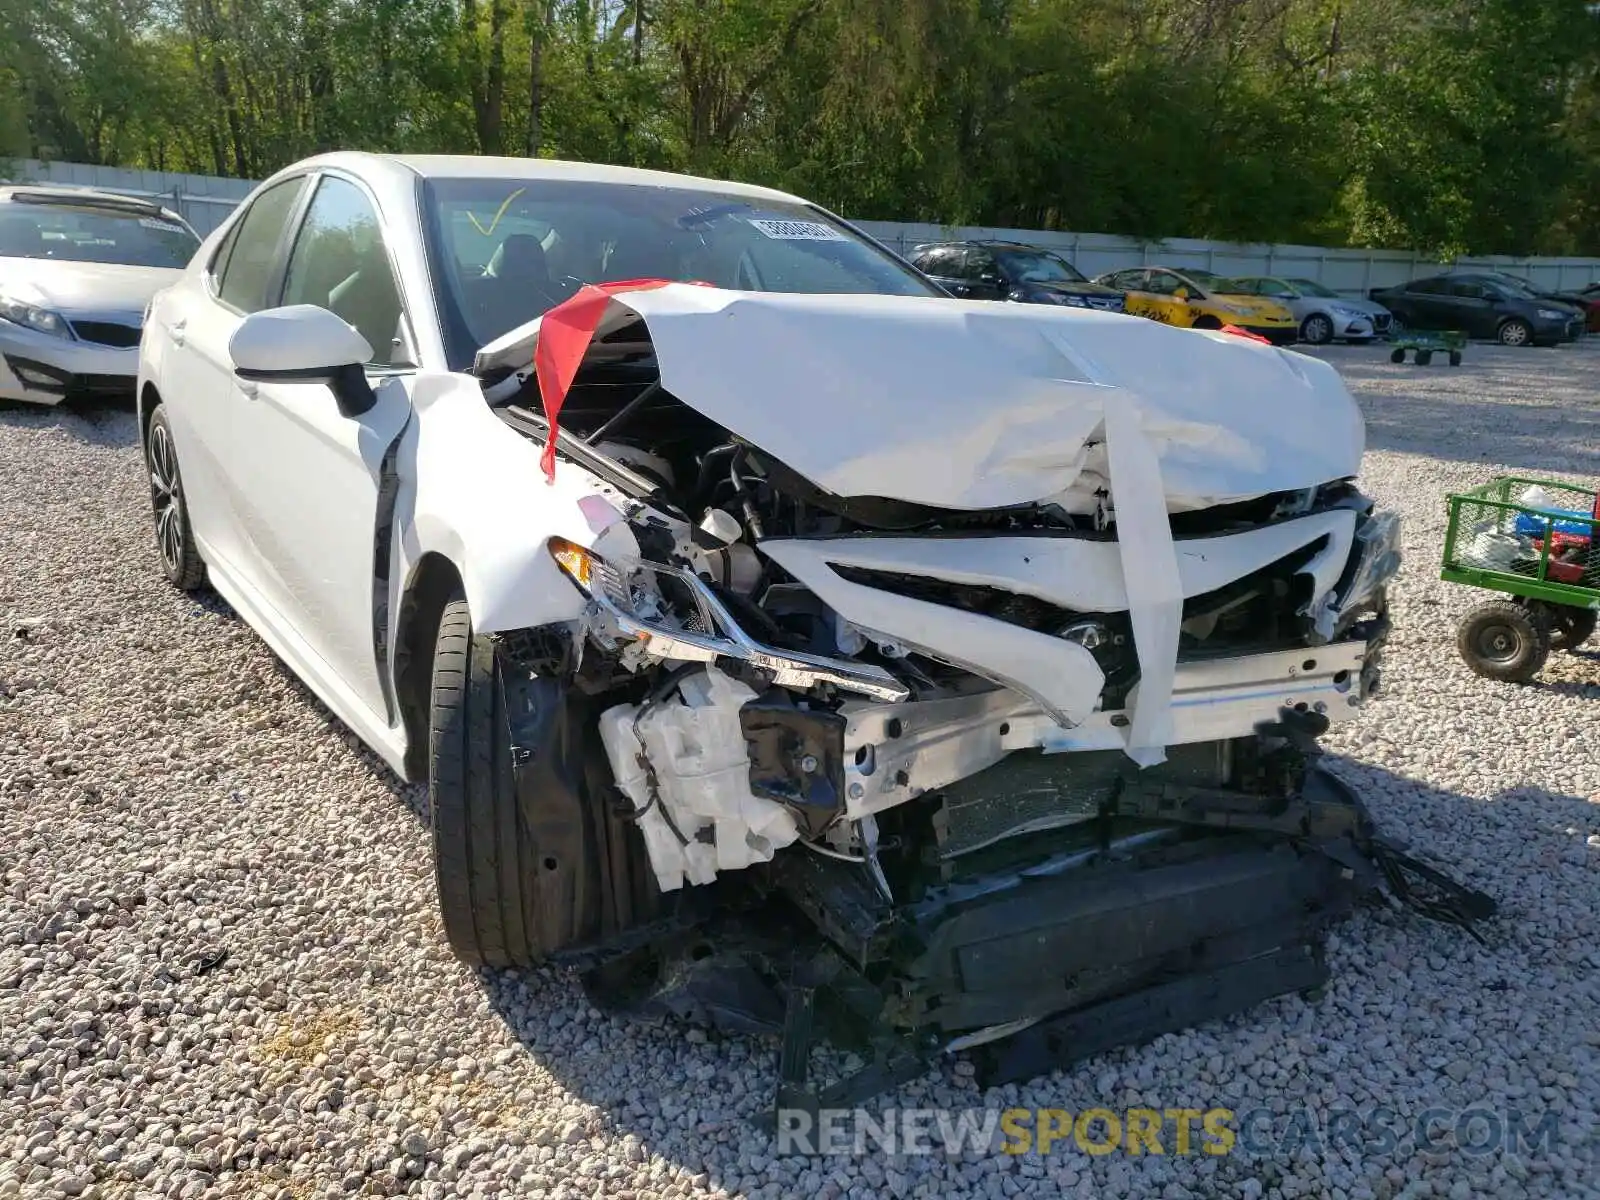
(769,626)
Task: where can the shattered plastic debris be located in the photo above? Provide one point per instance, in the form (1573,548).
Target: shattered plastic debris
(693,798)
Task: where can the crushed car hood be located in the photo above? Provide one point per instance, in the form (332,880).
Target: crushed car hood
(966,405)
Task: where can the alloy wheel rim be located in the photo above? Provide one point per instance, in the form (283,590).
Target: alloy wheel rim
(1318,330)
(1515,335)
(166,496)
(1499,643)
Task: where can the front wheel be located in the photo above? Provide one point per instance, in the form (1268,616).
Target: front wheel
(1397,356)
(1504,641)
(482,857)
(180,560)
(529,857)
(1516,332)
(1316,330)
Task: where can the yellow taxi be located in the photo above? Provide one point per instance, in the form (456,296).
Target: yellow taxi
(1194,299)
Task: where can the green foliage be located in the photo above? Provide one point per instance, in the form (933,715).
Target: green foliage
(1440,125)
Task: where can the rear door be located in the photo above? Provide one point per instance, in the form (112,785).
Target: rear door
(1469,305)
(963,272)
(315,478)
(197,382)
(1135,284)
(986,281)
(1161,299)
(1421,304)
(940,264)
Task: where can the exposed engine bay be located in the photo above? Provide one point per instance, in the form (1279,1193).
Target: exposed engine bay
(975,750)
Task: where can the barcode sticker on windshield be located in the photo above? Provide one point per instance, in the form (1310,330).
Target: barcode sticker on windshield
(797,231)
(165,226)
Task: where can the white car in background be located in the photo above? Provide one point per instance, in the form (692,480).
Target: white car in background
(77,268)
(769,612)
(1323,313)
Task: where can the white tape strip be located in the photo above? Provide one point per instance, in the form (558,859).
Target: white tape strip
(1150,573)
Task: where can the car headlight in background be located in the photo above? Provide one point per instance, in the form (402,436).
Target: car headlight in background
(31,316)
(1347,314)
(1552,314)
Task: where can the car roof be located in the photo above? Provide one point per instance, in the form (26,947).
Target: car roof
(471,166)
(988,243)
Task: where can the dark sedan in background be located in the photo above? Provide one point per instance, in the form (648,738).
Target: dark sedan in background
(1011,271)
(1482,306)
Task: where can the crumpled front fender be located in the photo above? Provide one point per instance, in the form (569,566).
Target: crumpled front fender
(473,492)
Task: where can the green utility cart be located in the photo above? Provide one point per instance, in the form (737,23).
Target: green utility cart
(1424,345)
(1535,542)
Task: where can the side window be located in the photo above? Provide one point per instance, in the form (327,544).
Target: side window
(340,263)
(1164,283)
(1426,287)
(980,263)
(1131,280)
(962,266)
(937,261)
(1469,289)
(219,260)
(1255,287)
(254,252)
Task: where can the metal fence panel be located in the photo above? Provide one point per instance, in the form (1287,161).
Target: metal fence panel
(205,201)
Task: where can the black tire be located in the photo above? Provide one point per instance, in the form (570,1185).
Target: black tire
(1206,323)
(483,857)
(1316,330)
(1455,358)
(169,505)
(1504,641)
(1571,627)
(1515,332)
(1397,356)
(1424,357)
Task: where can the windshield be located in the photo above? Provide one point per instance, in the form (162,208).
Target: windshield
(1310,287)
(502,251)
(1038,266)
(1517,287)
(85,233)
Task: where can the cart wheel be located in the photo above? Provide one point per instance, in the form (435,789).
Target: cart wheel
(1505,641)
(1424,357)
(1397,356)
(1455,358)
(1571,627)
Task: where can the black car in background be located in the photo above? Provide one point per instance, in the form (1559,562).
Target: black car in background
(1011,271)
(1482,306)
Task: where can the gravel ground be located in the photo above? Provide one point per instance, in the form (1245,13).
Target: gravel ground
(221,973)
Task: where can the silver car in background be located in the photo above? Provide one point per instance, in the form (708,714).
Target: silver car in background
(1324,314)
(77,270)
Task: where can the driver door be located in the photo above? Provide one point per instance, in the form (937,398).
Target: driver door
(1164,304)
(315,478)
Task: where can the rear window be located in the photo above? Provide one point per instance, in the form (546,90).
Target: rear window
(87,233)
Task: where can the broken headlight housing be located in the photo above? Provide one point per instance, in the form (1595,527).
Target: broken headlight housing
(674,615)
(1377,558)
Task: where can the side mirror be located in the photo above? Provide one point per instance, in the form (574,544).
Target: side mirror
(1181,294)
(303,343)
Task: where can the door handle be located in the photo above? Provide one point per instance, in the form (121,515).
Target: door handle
(176,330)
